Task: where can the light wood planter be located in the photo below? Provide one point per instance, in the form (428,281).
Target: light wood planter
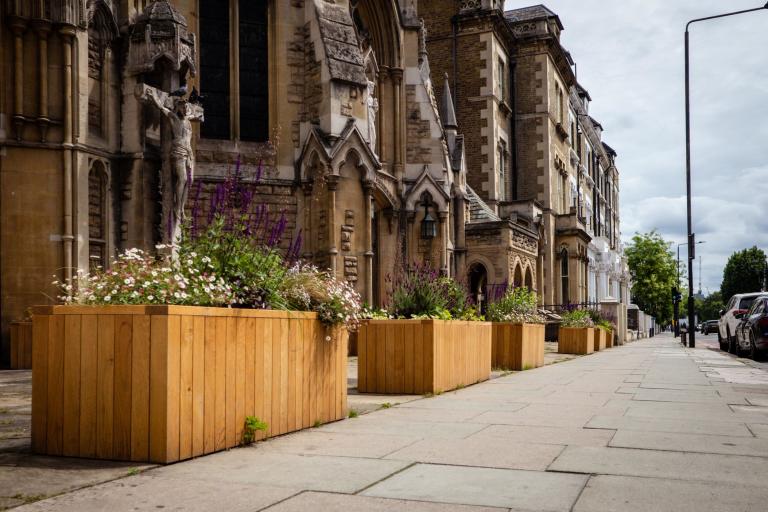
(576,340)
(21,345)
(601,339)
(167,383)
(518,346)
(422,356)
(608,339)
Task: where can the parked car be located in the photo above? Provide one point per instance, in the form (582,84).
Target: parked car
(708,327)
(731,316)
(752,332)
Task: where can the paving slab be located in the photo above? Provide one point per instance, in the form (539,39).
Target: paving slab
(327,502)
(338,444)
(547,435)
(425,414)
(735,427)
(148,493)
(481,452)
(663,464)
(671,410)
(629,494)
(315,473)
(677,395)
(523,490)
(698,443)
(371,424)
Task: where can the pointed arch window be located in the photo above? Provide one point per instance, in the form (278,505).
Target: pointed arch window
(234,77)
(97,216)
(564,277)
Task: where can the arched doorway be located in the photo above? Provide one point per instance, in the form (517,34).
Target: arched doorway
(478,285)
(517,280)
(565,293)
(529,279)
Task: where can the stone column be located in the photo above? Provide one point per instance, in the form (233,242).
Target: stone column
(67,37)
(368,195)
(18,26)
(397,81)
(444,234)
(43,30)
(332,182)
(383,137)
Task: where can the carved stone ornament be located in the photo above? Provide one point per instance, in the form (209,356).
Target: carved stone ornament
(160,31)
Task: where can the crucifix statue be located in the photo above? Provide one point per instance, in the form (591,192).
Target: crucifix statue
(178,155)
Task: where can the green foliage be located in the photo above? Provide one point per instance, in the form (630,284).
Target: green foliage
(317,424)
(255,271)
(252,425)
(386,405)
(745,272)
(353,413)
(518,305)
(577,318)
(709,308)
(420,292)
(654,273)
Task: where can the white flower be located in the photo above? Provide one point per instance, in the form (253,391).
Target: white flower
(107,298)
(150,297)
(327,338)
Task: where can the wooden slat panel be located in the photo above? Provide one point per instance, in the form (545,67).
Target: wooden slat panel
(71,425)
(291,375)
(209,434)
(105,392)
(140,387)
(198,387)
(26,336)
(266,385)
(362,357)
(250,362)
(174,391)
(284,377)
(89,382)
(186,362)
(401,332)
(410,356)
(231,383)
(55,385)
(15,346)
(40,383)
(275,387)
(258,373)
(242,327)
(299,375)
(122,393)
(158,389)
(220,423)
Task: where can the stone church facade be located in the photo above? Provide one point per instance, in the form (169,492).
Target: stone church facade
(377,146)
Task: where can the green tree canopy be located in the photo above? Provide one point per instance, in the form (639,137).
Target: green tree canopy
(709,308)
(654,274)
(744,273)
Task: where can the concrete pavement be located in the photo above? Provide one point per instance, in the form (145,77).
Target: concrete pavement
(648,426)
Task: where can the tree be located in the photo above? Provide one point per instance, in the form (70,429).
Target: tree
(745,272)
(709,308)
(654,273)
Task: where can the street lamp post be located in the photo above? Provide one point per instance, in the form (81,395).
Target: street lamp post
(691,235)
(677,303)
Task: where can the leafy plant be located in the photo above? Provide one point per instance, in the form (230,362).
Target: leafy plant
(518,305)
(654,274)
(252,425)
(576,318)
(420,292)
(353,413)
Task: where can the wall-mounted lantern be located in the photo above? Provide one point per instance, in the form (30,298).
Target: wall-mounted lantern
(428,224)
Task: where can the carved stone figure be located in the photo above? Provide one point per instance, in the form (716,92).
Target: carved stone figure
(180,115)
(373,109)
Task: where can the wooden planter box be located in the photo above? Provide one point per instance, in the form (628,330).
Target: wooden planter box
(422,356)
(518,346)
(21,345)
(601,339)
(576,340)
(608,339)
(167,383)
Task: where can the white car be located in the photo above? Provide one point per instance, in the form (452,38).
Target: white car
(731,316)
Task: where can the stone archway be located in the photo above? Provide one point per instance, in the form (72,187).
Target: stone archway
(478,284)
(529,279)
(517,279)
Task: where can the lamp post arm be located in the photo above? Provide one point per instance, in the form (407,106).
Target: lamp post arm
(687,26)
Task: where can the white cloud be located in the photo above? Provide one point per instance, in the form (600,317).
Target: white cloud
(630,58)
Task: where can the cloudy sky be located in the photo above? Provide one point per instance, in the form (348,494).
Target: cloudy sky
(630,58)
